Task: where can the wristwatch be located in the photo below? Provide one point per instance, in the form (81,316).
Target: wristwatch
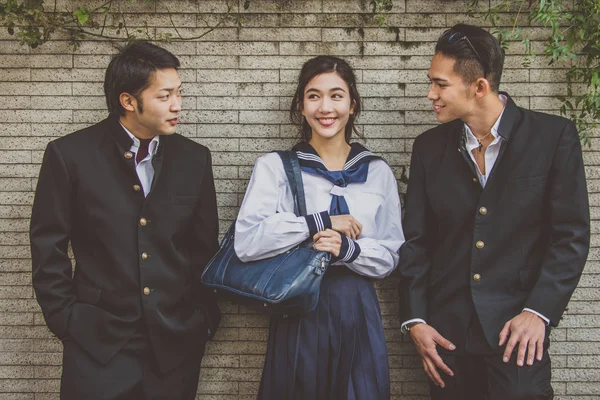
(405,328)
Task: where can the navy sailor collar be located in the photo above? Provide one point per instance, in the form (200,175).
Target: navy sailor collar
(308,157)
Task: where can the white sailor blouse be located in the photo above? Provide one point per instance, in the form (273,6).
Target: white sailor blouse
(267,225)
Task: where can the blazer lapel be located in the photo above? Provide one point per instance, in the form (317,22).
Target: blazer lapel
(462,147)
(510,118)
(158,160)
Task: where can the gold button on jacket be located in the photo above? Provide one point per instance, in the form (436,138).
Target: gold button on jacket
(145,256)
(476,277)
(137,188)
(480,244)
(483,211)
(146,290)
(143,221)
(128,155)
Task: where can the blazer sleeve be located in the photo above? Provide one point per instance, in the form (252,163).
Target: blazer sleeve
(50,231)
(206,243)
(570,229)
(415,262)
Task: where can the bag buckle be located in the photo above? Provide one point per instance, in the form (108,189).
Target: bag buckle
(320,269)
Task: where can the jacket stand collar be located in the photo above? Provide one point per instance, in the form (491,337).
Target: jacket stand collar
(124,143)
(510,118)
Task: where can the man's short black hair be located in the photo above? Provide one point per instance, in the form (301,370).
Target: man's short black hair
(131,71)
(477,53)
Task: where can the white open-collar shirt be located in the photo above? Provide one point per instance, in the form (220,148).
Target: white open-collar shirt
(144,169)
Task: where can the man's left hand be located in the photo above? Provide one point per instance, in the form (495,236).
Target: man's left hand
(528,331)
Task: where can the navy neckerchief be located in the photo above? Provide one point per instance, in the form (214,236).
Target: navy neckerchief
(355,170)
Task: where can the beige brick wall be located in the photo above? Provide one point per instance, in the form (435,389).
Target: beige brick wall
(238,87)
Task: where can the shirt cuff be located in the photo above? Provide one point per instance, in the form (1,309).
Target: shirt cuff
(410,321)
(403,328)
(349,249)
(318,222)
(546,320)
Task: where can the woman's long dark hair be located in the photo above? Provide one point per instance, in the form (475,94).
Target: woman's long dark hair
(317,66)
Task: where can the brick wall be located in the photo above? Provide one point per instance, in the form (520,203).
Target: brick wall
(238,87)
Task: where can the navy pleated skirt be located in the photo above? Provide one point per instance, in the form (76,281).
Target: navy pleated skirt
(337,352)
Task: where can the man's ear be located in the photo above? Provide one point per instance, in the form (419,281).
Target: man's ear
(482,87)
(128,102)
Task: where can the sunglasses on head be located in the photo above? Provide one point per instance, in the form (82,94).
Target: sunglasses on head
(456,37)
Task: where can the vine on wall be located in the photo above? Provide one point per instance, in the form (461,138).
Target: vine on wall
(33,22)
(574,36)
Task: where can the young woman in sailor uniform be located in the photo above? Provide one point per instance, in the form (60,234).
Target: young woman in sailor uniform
(338,351)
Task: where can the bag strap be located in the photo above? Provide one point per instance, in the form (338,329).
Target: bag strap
(291,165)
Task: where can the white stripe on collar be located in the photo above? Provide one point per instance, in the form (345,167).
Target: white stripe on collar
(349,164)
(309,157)
(357,157)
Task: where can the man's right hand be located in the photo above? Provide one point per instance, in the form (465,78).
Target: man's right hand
(426,338)
(347,225)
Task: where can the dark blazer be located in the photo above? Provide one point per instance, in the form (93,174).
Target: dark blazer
(137,260)
(522,241)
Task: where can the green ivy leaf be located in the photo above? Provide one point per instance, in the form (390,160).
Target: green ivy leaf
(82,14)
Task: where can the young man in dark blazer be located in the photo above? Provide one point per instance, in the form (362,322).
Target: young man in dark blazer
(136,201)
(497,230)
